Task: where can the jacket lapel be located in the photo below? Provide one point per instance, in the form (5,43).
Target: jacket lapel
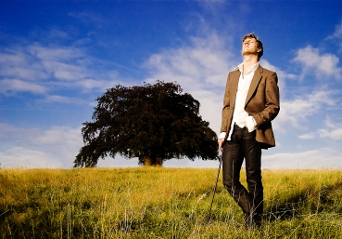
(233,90)
(254,83)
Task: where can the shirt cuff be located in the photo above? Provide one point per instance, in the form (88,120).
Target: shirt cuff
(222,135)
(251,124)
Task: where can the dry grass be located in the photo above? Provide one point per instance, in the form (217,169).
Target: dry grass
(163,203)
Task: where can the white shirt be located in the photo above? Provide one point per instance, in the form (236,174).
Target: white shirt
(240,116)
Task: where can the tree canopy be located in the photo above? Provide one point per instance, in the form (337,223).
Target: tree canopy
(152,122)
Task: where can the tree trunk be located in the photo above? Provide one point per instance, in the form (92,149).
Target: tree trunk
(152,161)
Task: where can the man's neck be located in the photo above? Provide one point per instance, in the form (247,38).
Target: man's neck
(249,60)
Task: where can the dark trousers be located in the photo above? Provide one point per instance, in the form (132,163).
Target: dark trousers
(244,146)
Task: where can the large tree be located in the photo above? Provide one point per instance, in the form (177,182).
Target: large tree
(152,122)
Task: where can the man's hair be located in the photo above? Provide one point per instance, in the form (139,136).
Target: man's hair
(252,35)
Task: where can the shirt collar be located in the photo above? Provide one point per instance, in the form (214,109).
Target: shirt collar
(250,69)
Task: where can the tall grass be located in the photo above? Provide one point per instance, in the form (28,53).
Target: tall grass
(163,203)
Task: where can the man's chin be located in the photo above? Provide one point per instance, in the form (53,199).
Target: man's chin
(247,53)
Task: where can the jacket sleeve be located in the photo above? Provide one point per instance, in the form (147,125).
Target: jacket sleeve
(269,96)
(226,107)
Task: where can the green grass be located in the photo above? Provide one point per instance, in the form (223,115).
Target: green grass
(163,203)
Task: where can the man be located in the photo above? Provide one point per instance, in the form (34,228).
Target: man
(251,102)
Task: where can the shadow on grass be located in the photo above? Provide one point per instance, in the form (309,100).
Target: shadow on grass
(310,200)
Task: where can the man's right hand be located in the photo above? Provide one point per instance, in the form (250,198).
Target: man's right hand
(220,142)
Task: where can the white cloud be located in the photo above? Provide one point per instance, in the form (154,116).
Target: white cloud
(38,63)
(64,71)
(32,147)
(8,86)
(18,64)
(294,113)
(64,63)
(57,136)
(19,157)
(307,136)
(89,84)
(320,65)
(57,73)
(338,31)
(329,123)
(10,133)
(332,131)
(335,134)
(337,35)
(58,98)
(313,159)
(205,58)
(55,53)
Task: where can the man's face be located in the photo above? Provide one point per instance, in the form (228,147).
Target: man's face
(250,46)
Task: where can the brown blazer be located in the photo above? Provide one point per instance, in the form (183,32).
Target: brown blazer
(262,103)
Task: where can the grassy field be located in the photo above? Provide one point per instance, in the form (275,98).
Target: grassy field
(163,203)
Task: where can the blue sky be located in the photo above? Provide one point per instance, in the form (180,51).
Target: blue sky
(57,57)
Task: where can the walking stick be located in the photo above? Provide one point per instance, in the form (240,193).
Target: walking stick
(215,186)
